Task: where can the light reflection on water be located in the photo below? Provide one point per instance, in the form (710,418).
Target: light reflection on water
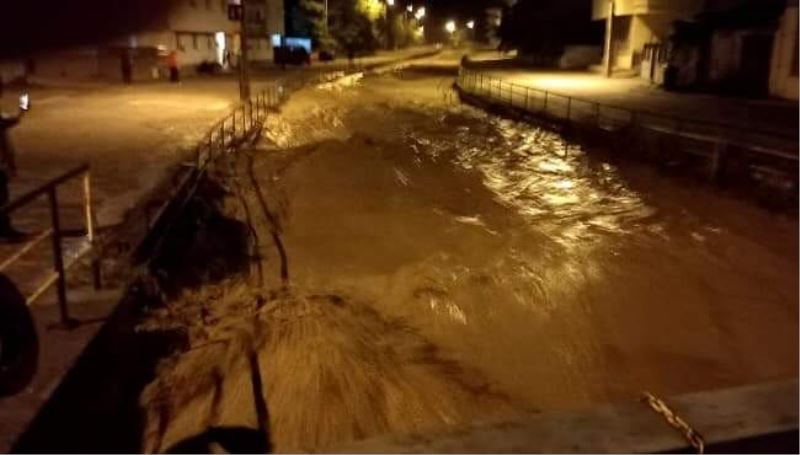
(540,264)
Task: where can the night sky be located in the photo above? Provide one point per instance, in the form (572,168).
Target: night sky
(35,25)
(30,25)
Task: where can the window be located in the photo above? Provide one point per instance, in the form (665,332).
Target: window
(194,41)
(210,39)
(181,41)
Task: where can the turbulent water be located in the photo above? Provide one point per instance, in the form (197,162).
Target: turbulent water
(447,267)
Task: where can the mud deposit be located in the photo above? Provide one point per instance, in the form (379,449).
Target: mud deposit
(412,266)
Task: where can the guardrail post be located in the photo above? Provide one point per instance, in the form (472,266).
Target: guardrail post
(58,260)
(569,108)
(234,124)
(717,158)
(597,114)
(544,108)
(89,213)
(527,98)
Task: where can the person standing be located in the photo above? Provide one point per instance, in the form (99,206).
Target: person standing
(126,64)
(174,70)
(8,169)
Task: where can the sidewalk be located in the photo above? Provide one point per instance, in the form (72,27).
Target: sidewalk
(779,116)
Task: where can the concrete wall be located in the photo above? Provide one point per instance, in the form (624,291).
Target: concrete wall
(580,57)
(685,8)
(10,70)
(632,32)
(75,64)
(725,55)
(201,16)
(783,79)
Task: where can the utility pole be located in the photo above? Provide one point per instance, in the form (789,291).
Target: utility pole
(609,45)
(244,61)
(326,17)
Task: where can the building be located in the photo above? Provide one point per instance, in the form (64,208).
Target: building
(783,80)
(747,48)
(639,24)
(199,31)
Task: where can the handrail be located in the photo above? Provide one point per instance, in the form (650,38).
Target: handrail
(482,84)
(674,118)
(24,199)
(58,275)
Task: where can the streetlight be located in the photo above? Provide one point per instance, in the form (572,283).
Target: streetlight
(410,8)
(471,24)
(420,13)
(390,2)
(450,26)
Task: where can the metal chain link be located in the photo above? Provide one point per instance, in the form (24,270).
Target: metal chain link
(692,436)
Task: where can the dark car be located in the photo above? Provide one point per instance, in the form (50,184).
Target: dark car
(292,55)
(326,56)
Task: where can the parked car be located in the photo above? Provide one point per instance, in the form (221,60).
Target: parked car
(292,55)
(209,68)
(327,56)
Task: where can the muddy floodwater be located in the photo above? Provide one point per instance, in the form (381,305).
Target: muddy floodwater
(442,266)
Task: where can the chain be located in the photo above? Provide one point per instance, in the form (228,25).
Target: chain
(675,421)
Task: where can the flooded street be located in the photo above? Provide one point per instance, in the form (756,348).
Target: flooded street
(448,267)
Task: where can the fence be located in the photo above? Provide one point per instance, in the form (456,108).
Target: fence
(61,261)
(769,144)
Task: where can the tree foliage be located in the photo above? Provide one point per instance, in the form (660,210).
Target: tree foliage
(543,27)
(308,19)
(352,27)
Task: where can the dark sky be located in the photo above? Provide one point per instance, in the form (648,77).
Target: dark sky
(460,8)
(35,24)
(32,25)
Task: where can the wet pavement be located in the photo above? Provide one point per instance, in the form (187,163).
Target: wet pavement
(448,267)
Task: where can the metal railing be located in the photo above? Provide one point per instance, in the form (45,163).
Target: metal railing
(61,261)
(581,111)
(238,125)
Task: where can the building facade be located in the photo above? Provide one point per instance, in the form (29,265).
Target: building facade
(637,24)
(783,77)
(198,31)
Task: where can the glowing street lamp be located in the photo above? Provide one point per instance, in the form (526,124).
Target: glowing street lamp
(450,26)
(420,13)
(410,8)
(390,2)
(471,25)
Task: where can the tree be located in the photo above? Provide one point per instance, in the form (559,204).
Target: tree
(308,19)
(352,27)
(542,28)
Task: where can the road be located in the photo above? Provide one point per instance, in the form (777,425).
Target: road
(447,268)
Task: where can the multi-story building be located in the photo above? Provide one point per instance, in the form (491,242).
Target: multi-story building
(200,30)
(637,23)
(196,30)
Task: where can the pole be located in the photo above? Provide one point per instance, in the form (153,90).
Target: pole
(58,260)
(244,62)
(609,47)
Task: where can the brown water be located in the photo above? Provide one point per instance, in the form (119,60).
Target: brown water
(449,267)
